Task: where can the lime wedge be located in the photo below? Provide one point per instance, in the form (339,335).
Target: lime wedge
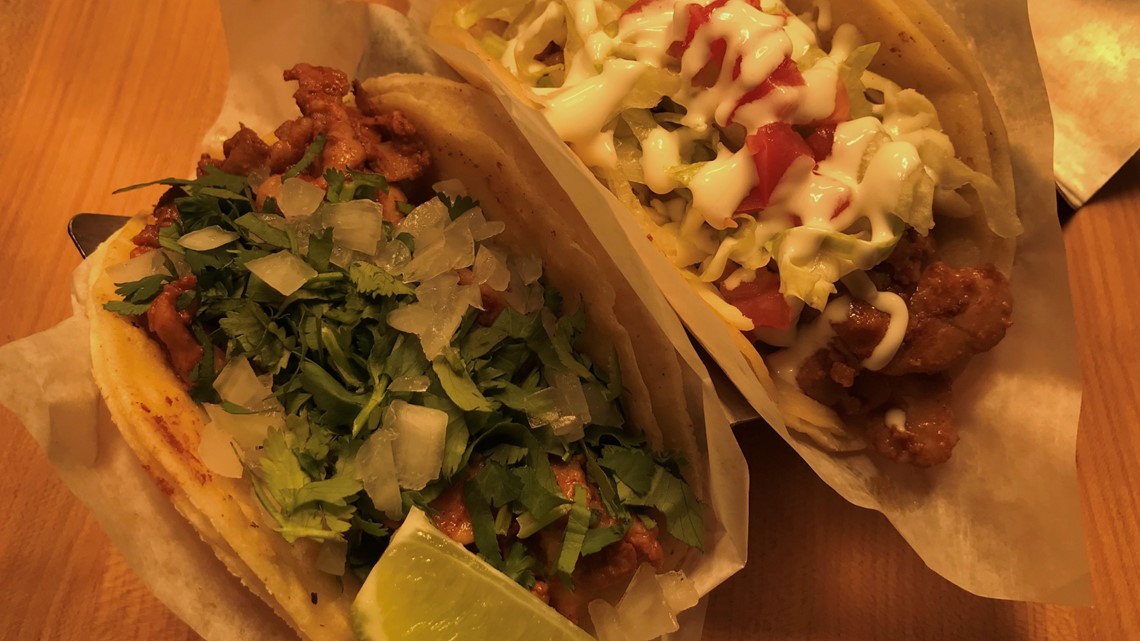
(428,587)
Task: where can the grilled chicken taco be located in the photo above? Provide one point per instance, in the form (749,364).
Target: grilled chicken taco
(374,313)
(835,184)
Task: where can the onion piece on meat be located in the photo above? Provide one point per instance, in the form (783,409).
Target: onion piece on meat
(138,268)
(299,198)
(207,238)
(282,271)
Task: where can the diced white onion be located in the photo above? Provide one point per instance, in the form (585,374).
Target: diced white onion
(679,591)
(436,254)
(541,407)
(481,228)
(216,450)
(248,430)
(181,267)
(376,470)
(570,401)
(207,238)
(342,256)
(393,256)
(425,221)
(607,626)
(490,268)
(302,227)
(418,448)
(643,609)
(356,224)
(282,271)
(452,187)
(137,268)
(332,556)
(409,384)
(602,412)
(299,197)
(238,384)
(439,308)
(529,268)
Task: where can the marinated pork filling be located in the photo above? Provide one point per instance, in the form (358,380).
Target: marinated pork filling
(536,473)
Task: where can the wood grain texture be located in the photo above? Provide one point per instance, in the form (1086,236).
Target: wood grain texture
(109,94)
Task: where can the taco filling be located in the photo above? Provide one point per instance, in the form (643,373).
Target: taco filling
(362,347)
(793,188)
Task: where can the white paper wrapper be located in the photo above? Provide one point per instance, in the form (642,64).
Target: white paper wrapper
(1002,518)
(60,406)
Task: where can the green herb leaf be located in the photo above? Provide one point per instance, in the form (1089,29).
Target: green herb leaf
(456,381)
(575,534)
(482,525)
(125,308)
(675,499)
(373,280)
(497,484)
(635,467)
(264,231)
(598,538)
(143,290)
(314,149)
(458,207)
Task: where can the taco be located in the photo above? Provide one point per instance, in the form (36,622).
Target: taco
(835,184)
(377,312)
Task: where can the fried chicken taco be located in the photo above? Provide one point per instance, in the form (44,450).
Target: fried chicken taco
(832,179)
(374,315)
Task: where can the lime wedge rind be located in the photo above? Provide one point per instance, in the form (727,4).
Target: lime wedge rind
(428,587)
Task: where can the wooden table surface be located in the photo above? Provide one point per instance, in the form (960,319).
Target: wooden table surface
(95,95)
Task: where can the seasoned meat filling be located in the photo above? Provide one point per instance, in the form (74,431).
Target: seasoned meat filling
(954,313)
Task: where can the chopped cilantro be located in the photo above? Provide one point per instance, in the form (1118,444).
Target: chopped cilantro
(331,358)
(314,149)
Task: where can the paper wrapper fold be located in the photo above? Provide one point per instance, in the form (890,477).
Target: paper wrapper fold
(61,407)
(1002,518)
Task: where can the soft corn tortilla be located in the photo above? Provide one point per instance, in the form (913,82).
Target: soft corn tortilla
(918,50)
(471,140)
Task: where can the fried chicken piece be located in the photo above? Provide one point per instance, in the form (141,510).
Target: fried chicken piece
(452,517)
(928,435)
(954,314)
(172,325)
(244,152)
(293,137)
(164,214)
(320,97)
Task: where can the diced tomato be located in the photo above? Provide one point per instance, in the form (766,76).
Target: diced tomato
(842,111)
(710,73)
(821,140)
(785,75)
(698,17)
(638,6)
(774,148)
(760,300)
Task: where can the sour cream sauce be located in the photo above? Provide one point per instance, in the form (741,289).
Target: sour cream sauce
(861,180)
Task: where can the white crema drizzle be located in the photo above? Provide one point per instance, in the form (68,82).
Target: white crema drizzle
(853,191)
